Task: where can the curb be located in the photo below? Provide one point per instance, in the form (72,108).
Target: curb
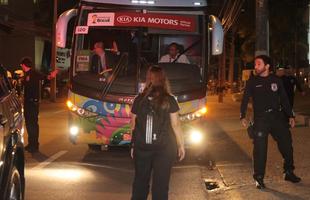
(305,119)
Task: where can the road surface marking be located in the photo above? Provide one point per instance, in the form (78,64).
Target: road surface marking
(232,164)
(131,170)
(50,160)
(60,111)
(186,167)
(107,167)
(52,113)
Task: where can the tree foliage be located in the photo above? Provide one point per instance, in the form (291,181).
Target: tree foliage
(288,31)
(287,28)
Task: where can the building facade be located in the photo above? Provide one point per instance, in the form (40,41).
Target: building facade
(20,33)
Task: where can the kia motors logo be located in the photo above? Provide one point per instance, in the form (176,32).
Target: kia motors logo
(124,19)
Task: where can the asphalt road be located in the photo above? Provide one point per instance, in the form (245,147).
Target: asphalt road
(65,171)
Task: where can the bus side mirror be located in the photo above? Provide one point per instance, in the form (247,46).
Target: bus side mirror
(217,35)
(62,26)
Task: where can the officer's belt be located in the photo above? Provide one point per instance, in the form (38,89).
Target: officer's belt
(269,110)
(32,100)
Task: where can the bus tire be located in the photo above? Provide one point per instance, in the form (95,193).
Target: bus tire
(94,147)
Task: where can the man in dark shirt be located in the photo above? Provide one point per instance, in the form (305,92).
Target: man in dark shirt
(290,82)
(31,102)
(271,110)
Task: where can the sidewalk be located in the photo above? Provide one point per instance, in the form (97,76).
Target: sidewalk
(232,150)
(302,103)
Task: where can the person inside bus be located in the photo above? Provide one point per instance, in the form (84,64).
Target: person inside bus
(173,54)
(103,59)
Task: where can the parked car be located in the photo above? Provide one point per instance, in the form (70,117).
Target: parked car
(12,179)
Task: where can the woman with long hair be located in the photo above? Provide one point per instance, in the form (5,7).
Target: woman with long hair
(157,136)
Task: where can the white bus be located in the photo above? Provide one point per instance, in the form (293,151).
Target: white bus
(137,34)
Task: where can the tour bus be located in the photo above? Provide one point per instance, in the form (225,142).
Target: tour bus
(137,33)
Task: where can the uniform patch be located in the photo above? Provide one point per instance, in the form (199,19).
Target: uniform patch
(274,87)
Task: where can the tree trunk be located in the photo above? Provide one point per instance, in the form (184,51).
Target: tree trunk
(222,75)
(262,35)
(53,56)
(231,60)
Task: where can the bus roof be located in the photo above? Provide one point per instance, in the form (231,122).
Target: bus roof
(154,3)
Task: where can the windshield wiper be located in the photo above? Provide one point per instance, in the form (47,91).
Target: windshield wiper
(120,65)
(186,50)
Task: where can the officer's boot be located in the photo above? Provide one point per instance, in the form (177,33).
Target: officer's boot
(290,176)
(259,182)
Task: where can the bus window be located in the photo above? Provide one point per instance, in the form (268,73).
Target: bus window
(189,47)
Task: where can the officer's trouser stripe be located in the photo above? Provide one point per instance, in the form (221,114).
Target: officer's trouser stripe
(149,129)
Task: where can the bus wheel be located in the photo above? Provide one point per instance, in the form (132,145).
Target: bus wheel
(94,147)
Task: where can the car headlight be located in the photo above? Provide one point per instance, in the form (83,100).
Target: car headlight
(80,111)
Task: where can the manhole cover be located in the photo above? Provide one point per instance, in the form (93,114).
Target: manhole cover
(211,185)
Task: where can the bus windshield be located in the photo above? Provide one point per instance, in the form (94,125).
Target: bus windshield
(104,37)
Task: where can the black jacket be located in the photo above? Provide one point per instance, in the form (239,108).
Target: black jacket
(32,85)
(268,93)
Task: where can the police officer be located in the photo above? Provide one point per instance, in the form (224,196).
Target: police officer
(31,102)
(271,110)
(289,83)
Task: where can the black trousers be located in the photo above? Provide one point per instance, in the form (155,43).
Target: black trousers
(157,164)
(276,124)
(291,99)
(31,112)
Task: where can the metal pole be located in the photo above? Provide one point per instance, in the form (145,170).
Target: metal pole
(53,56)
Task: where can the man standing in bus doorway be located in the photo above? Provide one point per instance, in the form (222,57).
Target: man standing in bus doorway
(31,101)
(173,54)
(102,60)
(271,110)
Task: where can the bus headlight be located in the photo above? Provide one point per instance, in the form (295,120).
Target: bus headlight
(201,112)
(192,116)
(80,111)
(74,130)
(195,137)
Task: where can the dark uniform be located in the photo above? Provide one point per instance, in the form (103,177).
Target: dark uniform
(156,162)
(31,106)
(289,83)
(271,110)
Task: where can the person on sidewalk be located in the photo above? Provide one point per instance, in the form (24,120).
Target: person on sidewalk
(157,137)
(31,101)
(290,82)
(271,110)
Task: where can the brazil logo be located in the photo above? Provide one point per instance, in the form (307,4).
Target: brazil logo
(274,87)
